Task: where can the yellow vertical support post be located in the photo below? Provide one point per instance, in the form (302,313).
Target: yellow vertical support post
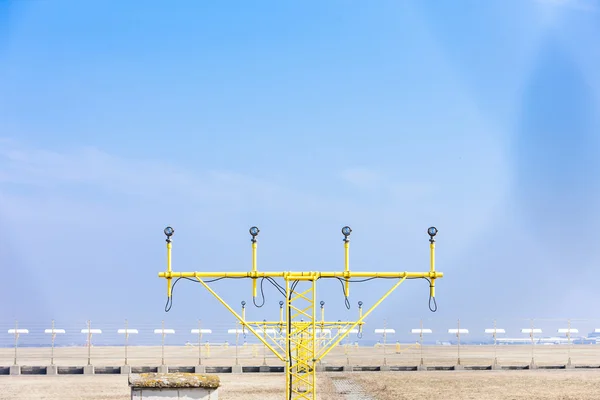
(432,231)
(288,338)
(169,232)
(313,365)
(254,232)
(346,232)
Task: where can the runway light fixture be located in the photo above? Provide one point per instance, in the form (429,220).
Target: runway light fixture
(254,232)
(322,303)
(346,231)
(432,231)
(281,304)
(169,231)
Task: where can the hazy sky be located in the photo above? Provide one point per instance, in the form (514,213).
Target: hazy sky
(116,120)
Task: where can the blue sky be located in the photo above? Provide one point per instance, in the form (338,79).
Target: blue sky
(299,117)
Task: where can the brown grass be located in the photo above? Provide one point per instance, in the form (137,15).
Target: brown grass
(467,385)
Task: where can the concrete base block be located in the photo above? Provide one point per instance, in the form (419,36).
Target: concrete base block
(51,370)
(421,367)
(319,368)
(264,368)
(347,368)
(533,365)
(174,393)
(200,369)
(15,370)
(88,370)
(496,366)
(385,368)
(163,369)
(236,369)
(125,369)
(459,367)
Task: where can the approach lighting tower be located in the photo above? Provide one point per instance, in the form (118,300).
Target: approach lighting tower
(301,352)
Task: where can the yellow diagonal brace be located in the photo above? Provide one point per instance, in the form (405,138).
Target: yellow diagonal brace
(231,310)
(361,318)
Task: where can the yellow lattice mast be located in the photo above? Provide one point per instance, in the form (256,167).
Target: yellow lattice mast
(303,346)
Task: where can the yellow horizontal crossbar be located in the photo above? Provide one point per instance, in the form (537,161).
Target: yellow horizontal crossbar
(302,275)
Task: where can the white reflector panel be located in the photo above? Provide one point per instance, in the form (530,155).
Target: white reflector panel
(13,331)
(461,330)
(382,331)
(498,330)
(419,330)
(529,330)
(128,331)
(197,331)
(55,331)
(165,331)
(92,331)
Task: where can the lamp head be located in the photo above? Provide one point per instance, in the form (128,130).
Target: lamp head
(346,231)
(432,231)
(169,232)
(360,303)
(281,304)
(254,232)
(322,303)
(243,304)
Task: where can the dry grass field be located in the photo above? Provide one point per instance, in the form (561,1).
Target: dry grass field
(479,385)
(439,385)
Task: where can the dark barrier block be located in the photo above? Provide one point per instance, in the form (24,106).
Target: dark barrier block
(144,370)
(107,370)
(28,370)
(70,370)
(403,368)
(187,370)
(250,369)
(479,367)
(4,370)
(218,370)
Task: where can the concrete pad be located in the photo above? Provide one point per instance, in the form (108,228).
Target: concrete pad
(459,367)
(88,370)
(347,368)
(533,365)
(236,369)
(15,370)
(52,370)
(385,368)
(125,369)
(200,369)
(163,369)
(421,367)
(319,368)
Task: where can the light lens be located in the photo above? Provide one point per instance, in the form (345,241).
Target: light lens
(254,231)
(169,231)
(360,303)
(281,304)
(432,231)
(243,303)
(346,231)
(322,303)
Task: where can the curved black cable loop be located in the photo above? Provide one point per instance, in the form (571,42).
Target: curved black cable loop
(346,301)
(262,293)
(434,303)
(169,303)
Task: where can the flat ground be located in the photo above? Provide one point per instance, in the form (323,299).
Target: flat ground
(407,354)
(480,385)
